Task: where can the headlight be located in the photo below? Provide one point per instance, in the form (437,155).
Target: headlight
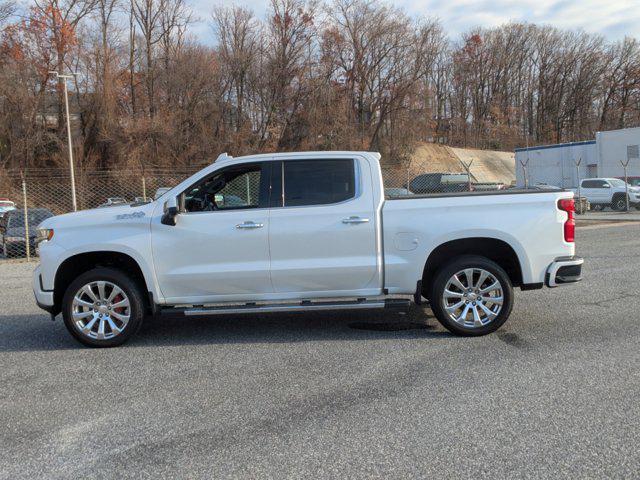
(44,235)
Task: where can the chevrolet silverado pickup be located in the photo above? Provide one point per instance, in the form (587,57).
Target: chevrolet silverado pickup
(302,232)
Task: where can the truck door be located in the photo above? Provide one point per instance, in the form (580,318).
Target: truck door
(219,247)
(596,191)
(322,229)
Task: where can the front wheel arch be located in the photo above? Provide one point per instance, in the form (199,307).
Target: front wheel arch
(126,289)
(74,266)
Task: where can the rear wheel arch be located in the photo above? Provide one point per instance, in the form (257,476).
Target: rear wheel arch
(496,250)
(471,295)
(74,266)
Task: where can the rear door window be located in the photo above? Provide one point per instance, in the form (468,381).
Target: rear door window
(318,182)
(593,184)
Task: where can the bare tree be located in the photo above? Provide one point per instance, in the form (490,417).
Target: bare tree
(160,22)
(312,74)
(236,31)
(61,18)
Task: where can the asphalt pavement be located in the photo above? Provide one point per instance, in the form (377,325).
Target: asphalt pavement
(554,394)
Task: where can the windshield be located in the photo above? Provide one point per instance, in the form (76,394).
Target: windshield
(35,217)
(616,182)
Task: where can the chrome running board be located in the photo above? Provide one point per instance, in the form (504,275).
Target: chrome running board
(304,306)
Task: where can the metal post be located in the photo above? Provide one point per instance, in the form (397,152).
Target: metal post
(144,189)
(626,183)
(467,168)
(70,144)
(26,219)
(409,174)
(525,173)
(577,164)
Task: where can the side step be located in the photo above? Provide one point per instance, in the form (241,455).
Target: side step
(395,304)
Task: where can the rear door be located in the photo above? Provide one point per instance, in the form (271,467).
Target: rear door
(322,229)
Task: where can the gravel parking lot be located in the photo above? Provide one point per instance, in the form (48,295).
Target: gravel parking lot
(555,393)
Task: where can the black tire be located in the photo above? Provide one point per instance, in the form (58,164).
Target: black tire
(596,207)
(447,272)
(132,292)
(619,203)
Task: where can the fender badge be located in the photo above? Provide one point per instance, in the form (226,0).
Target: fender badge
(127,216)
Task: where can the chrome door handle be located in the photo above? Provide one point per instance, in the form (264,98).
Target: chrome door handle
(355,220)
(250,225)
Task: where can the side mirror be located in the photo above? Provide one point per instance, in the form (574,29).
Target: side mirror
(170,212)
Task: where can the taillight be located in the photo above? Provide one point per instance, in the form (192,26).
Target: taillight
(569,206)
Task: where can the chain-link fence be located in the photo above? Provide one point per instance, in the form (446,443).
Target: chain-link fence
(406,181)
(609,186)
(27,199)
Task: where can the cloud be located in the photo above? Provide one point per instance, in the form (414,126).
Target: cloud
(614,19)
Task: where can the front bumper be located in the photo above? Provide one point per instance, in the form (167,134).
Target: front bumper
(44,298)
(564,270)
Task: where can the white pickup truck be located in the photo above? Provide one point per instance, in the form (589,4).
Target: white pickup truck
(609,192)
(301,232)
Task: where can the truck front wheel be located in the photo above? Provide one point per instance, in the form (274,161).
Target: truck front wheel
(619,203)
(471,296)
(103,308)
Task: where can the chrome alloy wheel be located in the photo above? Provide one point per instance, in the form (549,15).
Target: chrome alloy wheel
(100,310)
(473,297)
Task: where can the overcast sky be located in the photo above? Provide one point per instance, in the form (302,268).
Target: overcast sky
(612,18)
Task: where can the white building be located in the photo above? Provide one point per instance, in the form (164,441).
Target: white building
(556,164)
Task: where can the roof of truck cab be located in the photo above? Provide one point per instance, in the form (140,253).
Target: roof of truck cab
(223,158)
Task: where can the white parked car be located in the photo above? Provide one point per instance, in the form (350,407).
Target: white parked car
(609,192)
(310,231)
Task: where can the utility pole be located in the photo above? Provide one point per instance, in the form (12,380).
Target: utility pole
(64,79)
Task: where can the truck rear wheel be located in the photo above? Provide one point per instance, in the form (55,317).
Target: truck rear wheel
(103,308)
(471,296)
